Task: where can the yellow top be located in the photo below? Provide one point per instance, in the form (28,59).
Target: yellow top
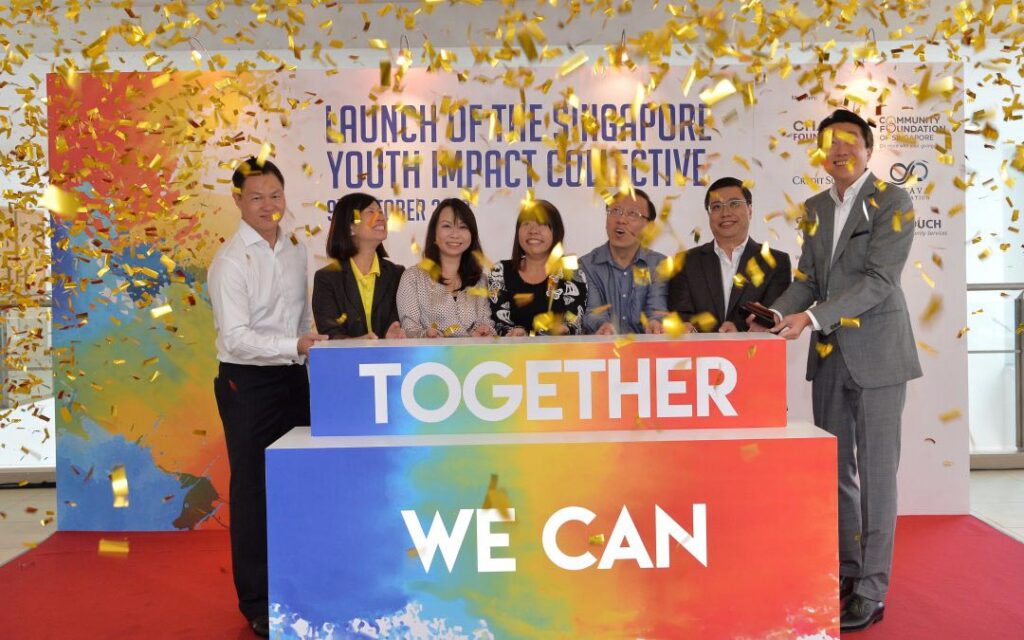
(366,283)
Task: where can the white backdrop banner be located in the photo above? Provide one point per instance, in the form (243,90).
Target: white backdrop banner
(440,138)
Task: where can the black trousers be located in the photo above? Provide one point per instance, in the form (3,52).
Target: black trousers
(257,406)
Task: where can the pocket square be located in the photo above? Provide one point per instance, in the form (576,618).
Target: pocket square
(860,233)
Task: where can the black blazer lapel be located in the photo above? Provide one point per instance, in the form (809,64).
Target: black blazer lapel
(384,286)
(352,299)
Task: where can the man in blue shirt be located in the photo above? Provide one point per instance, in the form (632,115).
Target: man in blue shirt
(621,281)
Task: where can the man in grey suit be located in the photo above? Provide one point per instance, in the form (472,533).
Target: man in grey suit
(857,237)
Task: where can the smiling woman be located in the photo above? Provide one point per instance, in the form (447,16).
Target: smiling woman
(354,296)
(445,295)
(531,293)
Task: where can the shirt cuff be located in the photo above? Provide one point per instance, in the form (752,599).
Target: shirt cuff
(814,321)
(288,347)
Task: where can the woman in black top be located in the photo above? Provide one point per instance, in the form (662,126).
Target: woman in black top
(359,274)
(529,296)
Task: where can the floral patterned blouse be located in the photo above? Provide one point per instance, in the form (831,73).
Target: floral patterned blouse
(515,303)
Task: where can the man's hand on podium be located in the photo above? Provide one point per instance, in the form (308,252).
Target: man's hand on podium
(306,341)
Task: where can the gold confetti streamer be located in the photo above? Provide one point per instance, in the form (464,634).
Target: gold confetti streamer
(118,548)
(721,91)
(497,498)
(119,485)
(823,349)
(59,201)
(933,309)
(573,64)
(160,311)
(522,299)
(673,325)
(596,539)
(705,321)
(849,323)
(949,416)
(265,152)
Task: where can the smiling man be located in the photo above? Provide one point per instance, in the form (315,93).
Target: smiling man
(621,282)
(856,240)
(717,278)
(257,286)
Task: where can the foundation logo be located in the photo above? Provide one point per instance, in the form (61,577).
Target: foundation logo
(909,131)
(803,132)
(912,176)
(902,173)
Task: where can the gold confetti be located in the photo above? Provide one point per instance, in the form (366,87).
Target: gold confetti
(431,268)
(119,485)
(849,323)
(823,349)
(641,276)
(160,311)
(451,330)
(932,310)
(113,547)
(59,201)
(547,322)
(950,415)
(573,63)
(497,498)
(522,299)
(673,325)
(721,91)
(766,254)
(596,539)
(705,321)
(670,266)
(265,152)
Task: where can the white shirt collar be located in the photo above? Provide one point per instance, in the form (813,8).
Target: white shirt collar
(851,191)
(738,251)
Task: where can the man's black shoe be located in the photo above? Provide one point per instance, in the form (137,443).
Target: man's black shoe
(845,590)
(260,625)
(860,613)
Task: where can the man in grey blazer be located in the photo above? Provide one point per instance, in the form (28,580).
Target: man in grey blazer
(857,238)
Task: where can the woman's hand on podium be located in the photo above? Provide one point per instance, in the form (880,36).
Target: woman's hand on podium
(395,331)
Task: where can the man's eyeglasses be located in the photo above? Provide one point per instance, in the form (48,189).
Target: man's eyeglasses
(734,206)
(628,214)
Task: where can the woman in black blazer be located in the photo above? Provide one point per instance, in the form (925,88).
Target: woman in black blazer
(359,274)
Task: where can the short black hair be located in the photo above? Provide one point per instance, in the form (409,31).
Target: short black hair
(251,167)
(652,211)
(545,213)
(470,268)
(340,245)
(845,115)
(722,183)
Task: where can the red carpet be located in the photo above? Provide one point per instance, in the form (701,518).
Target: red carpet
(954,577)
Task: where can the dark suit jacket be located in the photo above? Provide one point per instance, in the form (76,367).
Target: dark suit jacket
(335,292)
(698,286)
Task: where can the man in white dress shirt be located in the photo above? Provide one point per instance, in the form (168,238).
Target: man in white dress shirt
(257,286)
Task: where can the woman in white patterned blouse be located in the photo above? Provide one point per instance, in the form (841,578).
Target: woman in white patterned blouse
(449,297)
